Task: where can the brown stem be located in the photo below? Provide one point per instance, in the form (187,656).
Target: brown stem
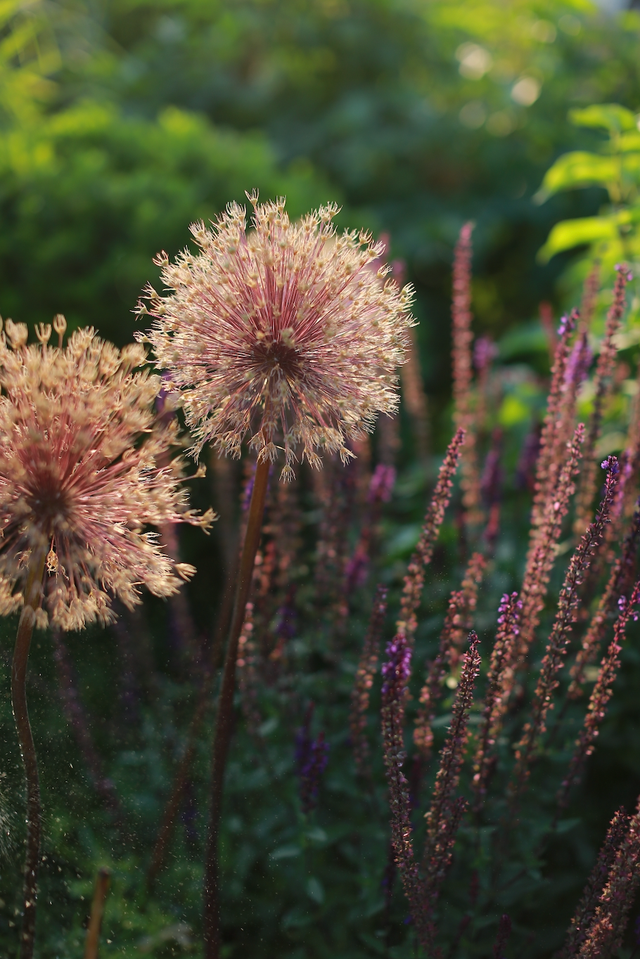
(32,595)
(92,941)
(182,774)
(225,710)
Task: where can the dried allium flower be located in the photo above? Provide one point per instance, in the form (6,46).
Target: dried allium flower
(79,476)
(282,333)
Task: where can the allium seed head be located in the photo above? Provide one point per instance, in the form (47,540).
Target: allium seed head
(84,470)
(284,333)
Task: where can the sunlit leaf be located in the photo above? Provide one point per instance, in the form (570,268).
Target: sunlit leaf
(604,116)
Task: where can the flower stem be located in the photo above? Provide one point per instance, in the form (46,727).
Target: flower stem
(225,709)
(27,748)
(97,912)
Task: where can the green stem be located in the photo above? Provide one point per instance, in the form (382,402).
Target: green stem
(225,710)
(32,595)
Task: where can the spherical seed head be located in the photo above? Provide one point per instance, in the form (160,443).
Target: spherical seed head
(84,470)
(286,333)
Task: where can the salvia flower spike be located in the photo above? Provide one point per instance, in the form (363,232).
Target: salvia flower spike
(560,633)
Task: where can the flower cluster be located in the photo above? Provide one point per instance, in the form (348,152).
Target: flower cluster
(80,479)
(283,333)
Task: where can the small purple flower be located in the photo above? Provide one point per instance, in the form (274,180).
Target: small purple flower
(312,756)
(611,465)
(397,670)
(567,324)
(381,485)
(484,351)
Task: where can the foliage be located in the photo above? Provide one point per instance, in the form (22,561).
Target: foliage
(88,196)
(614,235)
(416,116)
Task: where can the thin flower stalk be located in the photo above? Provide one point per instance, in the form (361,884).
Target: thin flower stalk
(379,493)
(363,682)
(618,584)
(181,776)
(338,498)
(389,440)
(545,312)
(632,447)
(589,298)
(542,554)
(224,721)
(462,360)
(602,385)
(500,682)
(32,599)
(560,634)
(600,696)
(415,398)
(444,813)
(457,625)
(423,553)
(484,353)
(549,460)
(247,678)
(616,834)
(491,489)
(606,931)
(395,676)
(413,392)
(92,942)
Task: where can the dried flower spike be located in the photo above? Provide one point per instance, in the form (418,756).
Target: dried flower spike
(283,333)
(77,483)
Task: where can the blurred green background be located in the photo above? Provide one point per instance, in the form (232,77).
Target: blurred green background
(124,120)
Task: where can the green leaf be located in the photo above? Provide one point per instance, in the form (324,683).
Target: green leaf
(570,233)
(579,169)
(285,852)
(315,890)
(604,116)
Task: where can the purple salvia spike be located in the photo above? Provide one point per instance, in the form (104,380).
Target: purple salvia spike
(605,933)
(500,681)
(363,681)
(445,812)
(395,676)
(602,383)
(542,553)
(618,584)
(600,696)
(560,634)
(423,553)
(580,923)
(457,624)
(504,932)
(464,415)
(547,465)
